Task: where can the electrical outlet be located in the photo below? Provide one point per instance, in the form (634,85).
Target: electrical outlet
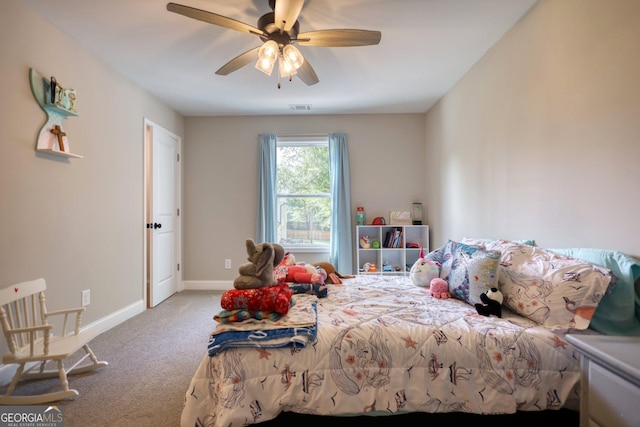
(86,297)
(227,264)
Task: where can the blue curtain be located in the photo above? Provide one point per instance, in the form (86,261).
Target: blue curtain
(341,252)
(266,215)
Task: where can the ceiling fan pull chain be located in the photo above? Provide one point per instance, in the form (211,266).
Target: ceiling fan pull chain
(278,74)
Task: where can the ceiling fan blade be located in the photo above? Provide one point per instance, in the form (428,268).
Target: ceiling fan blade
(339,38)
(307,74)
(214,18)
(286,13)
(239,62)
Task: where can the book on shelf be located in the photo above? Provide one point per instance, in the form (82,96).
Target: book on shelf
(393,238)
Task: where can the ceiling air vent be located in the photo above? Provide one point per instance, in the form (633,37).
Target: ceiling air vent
(300,107)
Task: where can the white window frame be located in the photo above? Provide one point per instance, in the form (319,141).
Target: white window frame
(301,141)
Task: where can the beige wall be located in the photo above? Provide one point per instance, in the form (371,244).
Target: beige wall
(76,222)
(541,139)
(220,178)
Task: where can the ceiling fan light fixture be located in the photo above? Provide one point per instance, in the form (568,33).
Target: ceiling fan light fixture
(265,65)
(267,56)
(293,56)
(286,68)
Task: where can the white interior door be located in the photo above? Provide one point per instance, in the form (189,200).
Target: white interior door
(163,225)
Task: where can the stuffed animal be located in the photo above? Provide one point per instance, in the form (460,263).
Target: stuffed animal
(439,288)
(258,272)
(333,277)
(299,272)
(305,274)
(492,303)
(424,271)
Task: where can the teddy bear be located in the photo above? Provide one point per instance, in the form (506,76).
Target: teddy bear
(491,303)
(258,272)
(439,288)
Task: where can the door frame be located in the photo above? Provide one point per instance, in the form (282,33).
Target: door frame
(147,131)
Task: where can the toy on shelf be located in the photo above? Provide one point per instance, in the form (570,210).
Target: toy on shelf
(387,267)
(369,267)
(365,242)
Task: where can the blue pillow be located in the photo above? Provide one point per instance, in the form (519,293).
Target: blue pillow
(618,312)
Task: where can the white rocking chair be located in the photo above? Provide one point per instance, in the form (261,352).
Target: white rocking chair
(32,343)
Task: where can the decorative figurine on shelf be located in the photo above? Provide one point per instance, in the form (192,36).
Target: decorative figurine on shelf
(57,131)
(60,97)
(360,216)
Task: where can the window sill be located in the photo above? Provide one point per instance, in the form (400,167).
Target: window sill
(306,249)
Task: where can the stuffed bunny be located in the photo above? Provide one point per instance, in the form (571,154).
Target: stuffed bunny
(258,272)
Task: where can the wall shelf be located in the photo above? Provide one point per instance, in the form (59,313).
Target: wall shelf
(48,141)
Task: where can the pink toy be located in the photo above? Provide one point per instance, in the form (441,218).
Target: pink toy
(439,289)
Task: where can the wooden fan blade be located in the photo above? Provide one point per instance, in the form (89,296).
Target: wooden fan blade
(239,62)
(214,18)
(307,74)
(339,38)
(286,13)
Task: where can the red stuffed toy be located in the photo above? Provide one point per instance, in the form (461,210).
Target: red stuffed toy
(289,271)
(302,274)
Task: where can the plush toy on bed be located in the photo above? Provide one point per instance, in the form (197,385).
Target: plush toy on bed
(492,303)
(305,274)
(290,271)
(258,272)
(423,271)
(439,288)
(333,277)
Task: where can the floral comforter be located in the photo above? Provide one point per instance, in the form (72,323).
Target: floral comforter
(384,345)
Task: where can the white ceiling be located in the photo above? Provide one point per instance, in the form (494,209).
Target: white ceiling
(426,47)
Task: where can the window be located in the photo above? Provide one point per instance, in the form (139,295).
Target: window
(268,216)
(303,193)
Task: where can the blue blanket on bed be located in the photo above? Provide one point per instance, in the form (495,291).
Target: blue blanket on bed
(264,337)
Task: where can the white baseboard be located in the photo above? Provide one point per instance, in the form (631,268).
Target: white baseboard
(208,285)
(95,328)
(115,318)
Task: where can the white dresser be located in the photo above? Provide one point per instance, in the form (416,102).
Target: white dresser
(610,384)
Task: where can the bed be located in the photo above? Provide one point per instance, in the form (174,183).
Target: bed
(380,345)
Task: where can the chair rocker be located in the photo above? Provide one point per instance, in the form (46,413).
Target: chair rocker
(32,343)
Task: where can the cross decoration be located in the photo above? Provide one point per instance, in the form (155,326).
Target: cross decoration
(59,133)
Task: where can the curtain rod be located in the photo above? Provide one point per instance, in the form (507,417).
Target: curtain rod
(304,135)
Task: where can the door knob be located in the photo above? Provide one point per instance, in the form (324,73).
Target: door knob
(156,225)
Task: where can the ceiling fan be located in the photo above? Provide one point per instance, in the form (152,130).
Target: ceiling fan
(279,30)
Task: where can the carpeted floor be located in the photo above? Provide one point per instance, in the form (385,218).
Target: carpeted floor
(151,360)
(153,356)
